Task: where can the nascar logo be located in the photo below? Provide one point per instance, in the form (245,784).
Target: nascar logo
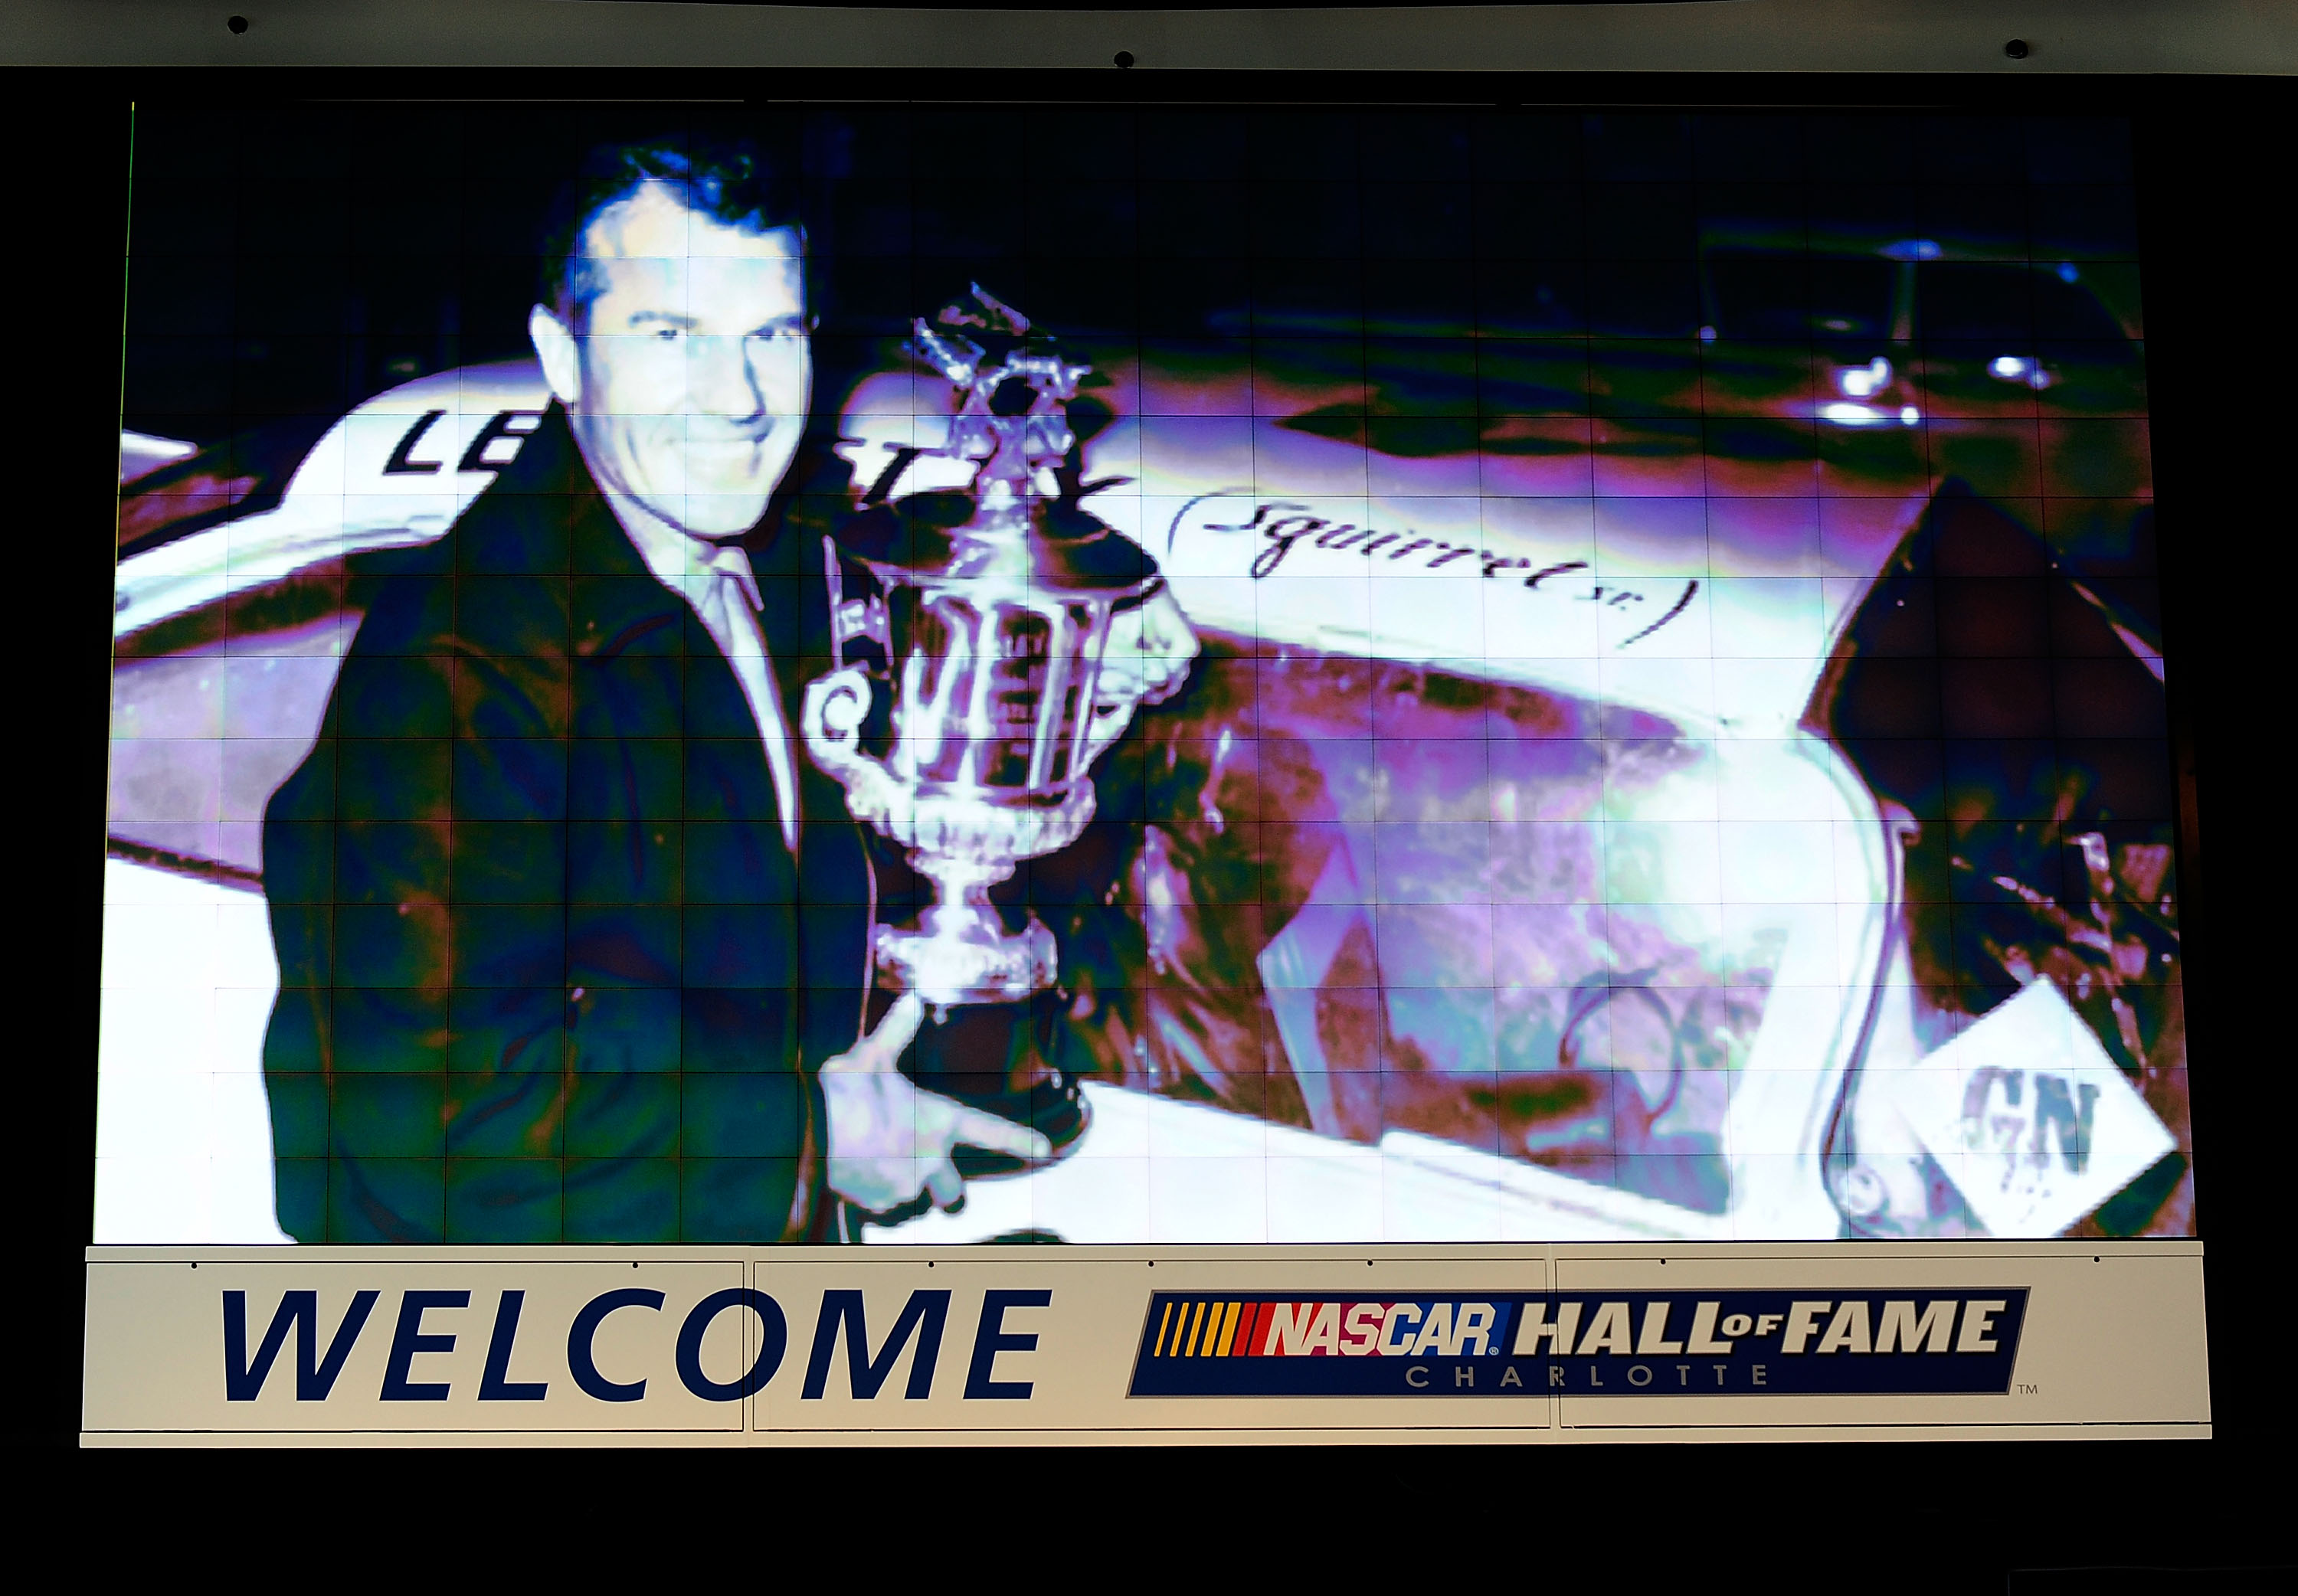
(1239,1328)
(1520,1344)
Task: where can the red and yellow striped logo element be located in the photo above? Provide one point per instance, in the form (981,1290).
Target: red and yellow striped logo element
(1209,1328)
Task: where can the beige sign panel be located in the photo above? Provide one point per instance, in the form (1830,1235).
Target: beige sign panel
(660,1346)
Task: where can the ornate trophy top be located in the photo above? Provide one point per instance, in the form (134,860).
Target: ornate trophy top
(1009,415)
(1003,637)
(1010,420)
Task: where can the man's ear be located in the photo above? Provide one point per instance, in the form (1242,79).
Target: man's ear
(562,362)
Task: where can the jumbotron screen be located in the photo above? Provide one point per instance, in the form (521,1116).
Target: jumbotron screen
(897,674)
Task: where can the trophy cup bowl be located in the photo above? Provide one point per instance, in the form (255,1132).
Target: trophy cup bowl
(1013,634)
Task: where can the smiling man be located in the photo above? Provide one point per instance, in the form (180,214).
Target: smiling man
(573,946)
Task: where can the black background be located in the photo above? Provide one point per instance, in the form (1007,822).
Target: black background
(2221,291)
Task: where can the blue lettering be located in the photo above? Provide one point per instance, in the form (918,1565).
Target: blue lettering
(579,1360)
(496,1385)
(299,1312)
(772,1344)
(924,1315)
(990,1338)
(409,1339)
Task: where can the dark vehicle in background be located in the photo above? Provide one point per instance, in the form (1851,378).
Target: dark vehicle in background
(1896,331)
(1785,360)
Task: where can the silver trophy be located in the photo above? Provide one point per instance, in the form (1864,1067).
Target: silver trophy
(1017,633)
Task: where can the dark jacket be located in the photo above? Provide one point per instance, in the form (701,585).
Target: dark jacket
(547,972)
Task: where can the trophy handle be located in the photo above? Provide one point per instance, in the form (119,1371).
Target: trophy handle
(830,721)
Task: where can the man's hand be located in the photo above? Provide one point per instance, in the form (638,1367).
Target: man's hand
(888,1140)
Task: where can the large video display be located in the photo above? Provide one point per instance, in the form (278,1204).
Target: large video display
(898,673)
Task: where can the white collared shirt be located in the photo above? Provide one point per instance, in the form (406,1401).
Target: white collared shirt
(716,580)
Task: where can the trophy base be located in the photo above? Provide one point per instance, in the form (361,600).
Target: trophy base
(966,959)
(1009,1060)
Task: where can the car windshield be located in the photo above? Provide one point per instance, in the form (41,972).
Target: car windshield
(1765,295)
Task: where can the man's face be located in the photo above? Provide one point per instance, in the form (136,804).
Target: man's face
(693,368)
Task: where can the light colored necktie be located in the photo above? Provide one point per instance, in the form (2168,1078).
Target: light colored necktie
(725,595)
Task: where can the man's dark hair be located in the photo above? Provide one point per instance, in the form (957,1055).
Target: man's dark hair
(729,181)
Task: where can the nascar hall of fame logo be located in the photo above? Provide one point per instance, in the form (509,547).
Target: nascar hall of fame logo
(1644,1344)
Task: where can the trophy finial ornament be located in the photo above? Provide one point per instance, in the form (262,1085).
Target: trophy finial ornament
(1015,633)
